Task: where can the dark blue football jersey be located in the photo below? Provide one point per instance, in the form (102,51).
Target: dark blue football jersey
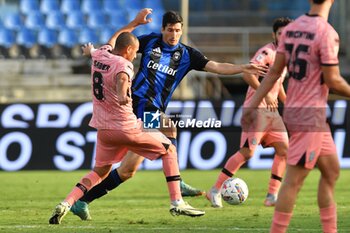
(161,70)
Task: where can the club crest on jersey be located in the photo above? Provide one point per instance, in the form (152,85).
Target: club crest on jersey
(260,57)
(157,52)
(176,56)
(254,141)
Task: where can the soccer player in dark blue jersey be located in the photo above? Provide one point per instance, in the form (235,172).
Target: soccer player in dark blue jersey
(164,63)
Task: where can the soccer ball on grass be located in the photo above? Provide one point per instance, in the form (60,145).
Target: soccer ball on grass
(234,191)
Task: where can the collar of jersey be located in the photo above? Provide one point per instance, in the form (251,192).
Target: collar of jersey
(169,47)
(312,15)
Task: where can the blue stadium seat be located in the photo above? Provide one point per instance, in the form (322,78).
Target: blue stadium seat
(26,37)
(156,23)
(97,20)
(48,6)
(76,20)
(276,5)
(156,5)
(7,37)
(68,43)
(132,14)
(68,37)
(68,6)
(27,6)
(106,33)
(88,35)
(89,6)
(47,37)
(118,19)
(7,41)
(141,30)
(111,6)
(55,20)
(27,43)
(35,20)
(13,21)
(48,42)
(134,5)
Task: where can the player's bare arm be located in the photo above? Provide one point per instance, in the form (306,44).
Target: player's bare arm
(140,19)
(253,82)
(265,86)
(122,88)
(335,81)
(227,68)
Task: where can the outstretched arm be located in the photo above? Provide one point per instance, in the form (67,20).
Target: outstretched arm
(270,79)
(265,86)
(141,18)
(253,82)
(228,68)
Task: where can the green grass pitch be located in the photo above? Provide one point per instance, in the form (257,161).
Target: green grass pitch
(27,199)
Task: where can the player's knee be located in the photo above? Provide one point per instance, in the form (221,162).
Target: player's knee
(332,176)
(126,174)
(281,149)
(246,152)
(293,184)
(102,171)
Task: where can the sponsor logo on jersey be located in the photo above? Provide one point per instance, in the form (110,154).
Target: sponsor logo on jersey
(162,68)
(157,52)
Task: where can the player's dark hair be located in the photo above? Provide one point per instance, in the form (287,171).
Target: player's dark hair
(319,1)
(124,40)
(280,22)
(171,17)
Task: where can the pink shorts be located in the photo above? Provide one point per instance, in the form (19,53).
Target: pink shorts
(112,145)
(306,147)
(267,129)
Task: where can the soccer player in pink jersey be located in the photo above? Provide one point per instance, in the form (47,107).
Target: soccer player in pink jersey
(268,129)
(309,47)
(118,129)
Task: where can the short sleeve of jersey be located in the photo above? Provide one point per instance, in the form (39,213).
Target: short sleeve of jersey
(144,39)
(198,60)
(329,47)
(107,47)
(124,66)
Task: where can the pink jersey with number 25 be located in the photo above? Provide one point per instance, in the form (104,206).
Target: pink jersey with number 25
(308,43)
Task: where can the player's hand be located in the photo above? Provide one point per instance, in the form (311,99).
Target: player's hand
(141,17)
(255,69)
(87,49)
(272,103)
